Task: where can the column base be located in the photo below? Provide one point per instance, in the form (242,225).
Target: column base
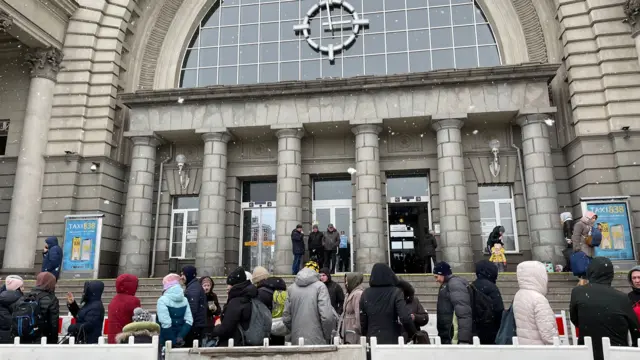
(26,274)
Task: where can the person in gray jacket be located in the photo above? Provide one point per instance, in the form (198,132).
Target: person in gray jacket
(331,240)
(453,302)
(308,313)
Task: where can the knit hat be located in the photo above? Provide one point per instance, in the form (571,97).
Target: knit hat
(312,265)
(170,280)
(259,274)
(315,226)
(140,315)
(236,277)
(189,273)
(442,268)
(13,282)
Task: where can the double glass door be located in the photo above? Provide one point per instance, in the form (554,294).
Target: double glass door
(338,213)
(259,237)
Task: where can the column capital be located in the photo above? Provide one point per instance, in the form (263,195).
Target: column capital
(6,22)
(146,140)
(631,9)
(288,133)
(447,123)
(527,119)
(366,129)
(223,136)
(45,63)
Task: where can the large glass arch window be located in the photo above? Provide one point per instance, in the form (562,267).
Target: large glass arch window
(253,41)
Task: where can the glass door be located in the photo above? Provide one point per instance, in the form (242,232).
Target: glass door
(338,213)
(258,238)
(184,233)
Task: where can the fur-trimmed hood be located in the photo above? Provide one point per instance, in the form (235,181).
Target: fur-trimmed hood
(143,328)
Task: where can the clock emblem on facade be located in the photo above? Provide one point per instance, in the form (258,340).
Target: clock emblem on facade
(331,49)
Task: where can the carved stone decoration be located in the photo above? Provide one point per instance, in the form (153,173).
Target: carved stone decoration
(45,63)
(5,22)
(632,10)
(403,143)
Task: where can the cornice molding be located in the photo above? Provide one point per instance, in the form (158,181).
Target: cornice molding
(64,8)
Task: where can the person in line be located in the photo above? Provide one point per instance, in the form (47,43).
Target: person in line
(141,327)
(52,256)
(316,245)
(120,309)
(600,311)
(297,244)
(418,314)
(336,294)
(498,257)
(45,293)
(426,249)
(535,320)
(495,237)
(197,302)
(237,313)
(213,304)
(308,313)
(331,240)
(381,305)
(89,318)
(581,230)
(350,321)
(14,288)
(634,295)
(486,278)
(454,312)
(567,228)
(173,312)
(272,291)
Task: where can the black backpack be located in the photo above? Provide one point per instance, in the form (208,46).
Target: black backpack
(481,305)
(27,317)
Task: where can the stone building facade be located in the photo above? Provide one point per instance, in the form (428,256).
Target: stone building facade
(271,116)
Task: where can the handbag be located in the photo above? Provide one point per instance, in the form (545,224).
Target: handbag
(421,337)
(580,263)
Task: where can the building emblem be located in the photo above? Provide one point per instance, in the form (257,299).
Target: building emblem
(331,49)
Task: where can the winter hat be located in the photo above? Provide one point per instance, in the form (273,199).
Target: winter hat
(315,227)
(46,281)
(189,273)
(13,282)
(442,268)
(312,265)
(565,216)
(588,215)
(141,315)
(236,277)
(259,274)
(170,280)
(299,226)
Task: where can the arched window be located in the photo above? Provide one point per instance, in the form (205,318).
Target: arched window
(254,41)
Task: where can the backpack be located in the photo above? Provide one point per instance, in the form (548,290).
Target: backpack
(481,306)
(507,328)
(279,300)
(27,317)
(580,263)
(596,237)
(259,325)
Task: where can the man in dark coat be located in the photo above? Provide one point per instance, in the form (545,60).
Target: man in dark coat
(52,256)
(316,247)
(336,294)
(381,305)
(331,240)
(600,311)
(120,310)
(297,244)
(486,277)
(89,318)
(426,250)
(453,299)
(197,303)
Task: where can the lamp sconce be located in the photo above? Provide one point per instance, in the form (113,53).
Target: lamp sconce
(184,177)
(626,132)
(494,165)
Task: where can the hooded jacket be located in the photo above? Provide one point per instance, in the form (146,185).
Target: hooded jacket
(350,320)
(486,277)
(420,315)
(142,332)
(599,310)
(297,242)
(90,317)
(580,232)
(331,240)
(336,294)
(634,295)
(174,315)
(52,259)
(197,299)
(236,312)
(120,310)
(454,306)
(381,305)
(494,237)
(535,320)
(267,287)
(50,311)
(308,313)
(8,299)
(211,298)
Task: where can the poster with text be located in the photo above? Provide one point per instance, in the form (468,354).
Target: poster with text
(81,243)
(613,220)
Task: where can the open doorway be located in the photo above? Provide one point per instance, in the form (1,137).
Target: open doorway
(407,223)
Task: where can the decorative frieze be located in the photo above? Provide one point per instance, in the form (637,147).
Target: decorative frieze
(45,63)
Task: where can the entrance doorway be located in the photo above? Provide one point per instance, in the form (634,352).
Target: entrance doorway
(338,213)
(407,223)
(259,236)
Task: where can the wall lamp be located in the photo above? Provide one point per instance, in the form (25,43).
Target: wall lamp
(626,132)
(494,165)
(184,178)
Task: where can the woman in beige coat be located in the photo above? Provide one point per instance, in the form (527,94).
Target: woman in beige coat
(535,320)
(581,231)
(350,321)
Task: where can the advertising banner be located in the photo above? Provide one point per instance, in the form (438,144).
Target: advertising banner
(81,247)
(614,223)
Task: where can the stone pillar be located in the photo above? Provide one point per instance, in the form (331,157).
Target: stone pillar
(24,219)
(547,241)
(288,197)
(370,241)
(454,217)
(135,246)
(210,247)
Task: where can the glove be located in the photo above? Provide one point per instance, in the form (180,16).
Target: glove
(179,342)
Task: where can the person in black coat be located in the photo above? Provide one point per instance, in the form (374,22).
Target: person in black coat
(381,305)
(197,303)
(634,281)
(495,237)
(52,257)
(297,244)
(426,250)
(600,311)
(315,245)
(237,312)
(89,318)
(418,314)
(486,277)
(267,287)
(336,294)
(45,293)
(8,300)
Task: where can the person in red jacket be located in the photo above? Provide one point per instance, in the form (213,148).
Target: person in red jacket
(120,311)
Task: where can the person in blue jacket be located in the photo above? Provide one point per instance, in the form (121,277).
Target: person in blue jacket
(173,312)
(89,317)
(52,257)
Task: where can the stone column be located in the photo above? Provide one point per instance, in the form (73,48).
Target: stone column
(288,197)
(136,231)
(370,241)
(547,241)
(454,217)
(24,219)
(213,203)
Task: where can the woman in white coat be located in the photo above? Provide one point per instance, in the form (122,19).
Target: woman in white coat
(535,320)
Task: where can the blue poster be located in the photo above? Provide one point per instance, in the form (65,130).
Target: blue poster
(613,222)
(80,244)
(344,241)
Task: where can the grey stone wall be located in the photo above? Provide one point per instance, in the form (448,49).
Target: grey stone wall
(7,177)
(233,230)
